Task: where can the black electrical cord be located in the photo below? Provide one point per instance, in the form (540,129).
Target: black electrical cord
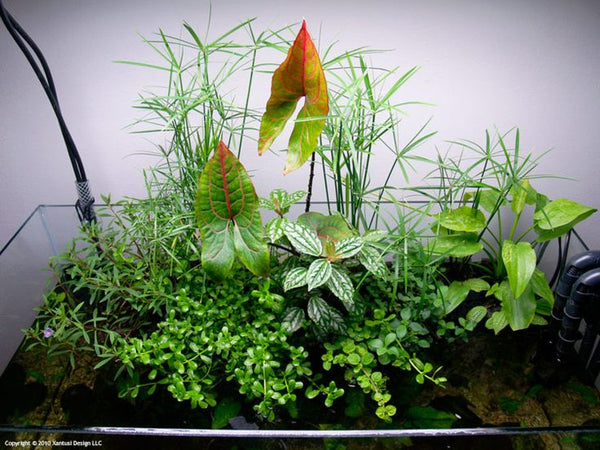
(85,202)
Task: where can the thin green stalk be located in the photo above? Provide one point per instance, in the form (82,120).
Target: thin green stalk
(247,101)
(513,229)
(527,231)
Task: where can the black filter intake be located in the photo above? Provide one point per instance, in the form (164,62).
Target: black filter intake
(583,304)
(576,267)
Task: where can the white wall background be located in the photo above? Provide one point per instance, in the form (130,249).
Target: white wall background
(533,64)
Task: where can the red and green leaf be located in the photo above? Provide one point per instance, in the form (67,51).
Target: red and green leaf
(329,228)
(300,75)
(228,216)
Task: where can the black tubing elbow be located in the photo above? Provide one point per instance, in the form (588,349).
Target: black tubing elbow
(584,303)
(585,297)
(575,268)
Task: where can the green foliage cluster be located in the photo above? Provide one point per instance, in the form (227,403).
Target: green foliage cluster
(187,291)
(213,330)
(493,189)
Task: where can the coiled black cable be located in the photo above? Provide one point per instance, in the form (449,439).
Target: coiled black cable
(85,202)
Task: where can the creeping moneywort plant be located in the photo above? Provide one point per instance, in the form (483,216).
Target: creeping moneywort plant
(187,291)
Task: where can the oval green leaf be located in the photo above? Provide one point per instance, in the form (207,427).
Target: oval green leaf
(318,273)
(558,217)
(463,218)
(340,284)
(227,213)
(520,261)
(303,238)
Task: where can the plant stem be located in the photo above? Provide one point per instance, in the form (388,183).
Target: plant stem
(513,229)
(242,132)
(287,249)
(311,177)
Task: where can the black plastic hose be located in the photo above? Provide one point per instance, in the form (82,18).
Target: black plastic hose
(583,303)
(85,202)
(575,268)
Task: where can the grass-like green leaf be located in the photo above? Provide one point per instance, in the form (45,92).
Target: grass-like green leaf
(541,288)
(497,322)
(518,311)
(455,294)
(521,192)
(477,314)
(457,245)
(225,410)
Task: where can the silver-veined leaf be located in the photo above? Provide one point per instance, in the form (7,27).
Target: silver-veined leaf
(292,319)
(346,248)
(280,200)
(318,273)
(294,197)
(274,228)
(303,238)
(340,284)
(373,261)
(375,236)
(326,317)
(296,277)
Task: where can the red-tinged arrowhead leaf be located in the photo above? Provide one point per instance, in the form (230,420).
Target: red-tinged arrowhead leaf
(300,75)
(228,217)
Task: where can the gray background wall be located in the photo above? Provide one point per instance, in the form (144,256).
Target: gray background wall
(484,64)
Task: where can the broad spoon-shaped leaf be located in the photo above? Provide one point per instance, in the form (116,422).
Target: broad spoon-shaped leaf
(228,217)
(300,75)
(520,261)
